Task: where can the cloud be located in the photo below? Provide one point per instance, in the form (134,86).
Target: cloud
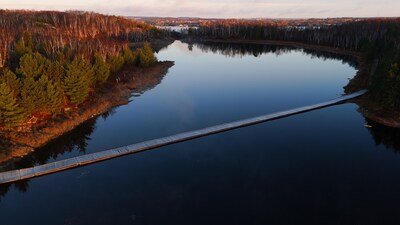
(221,8)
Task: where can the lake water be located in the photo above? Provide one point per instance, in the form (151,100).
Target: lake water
(321,167)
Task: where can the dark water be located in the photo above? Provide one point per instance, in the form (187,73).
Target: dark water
(321,167)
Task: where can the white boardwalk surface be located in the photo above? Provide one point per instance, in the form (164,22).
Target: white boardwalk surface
(21,174)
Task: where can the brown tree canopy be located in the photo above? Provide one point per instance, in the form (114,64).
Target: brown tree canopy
(84,32)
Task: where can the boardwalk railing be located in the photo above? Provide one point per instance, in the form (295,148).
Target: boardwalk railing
(21,174)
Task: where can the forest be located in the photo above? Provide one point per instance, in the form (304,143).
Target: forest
(52,62)
(378,39)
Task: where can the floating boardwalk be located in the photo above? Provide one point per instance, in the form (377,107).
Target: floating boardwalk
(21,174)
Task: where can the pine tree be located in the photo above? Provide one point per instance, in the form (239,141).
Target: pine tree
(116,63)
(54,98)
(87,70)
(11,114)
(146,57)
(24,45)
(31,95)
(140,56)
(76,83)
(101,70)
(12,81)
(129,56)
(33,65)
(41,98)
(68,54)
(55,71)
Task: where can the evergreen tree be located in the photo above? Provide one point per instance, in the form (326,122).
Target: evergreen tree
(101,70)
(54,98)
(68,54)
(60,57)
(55,71)
(146,57)
(24,45)
(41,97)
(76,83)
(86,70)
(33,65)
(129,56)
(116,63)
(32,95)
(12,81)
(11,114)
(140,56)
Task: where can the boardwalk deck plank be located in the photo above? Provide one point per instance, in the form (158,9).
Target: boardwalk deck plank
(15,175)
(45,169)
(27,173)
(9,176)
(105,154)
(84,159)
(137,146)
(67,163)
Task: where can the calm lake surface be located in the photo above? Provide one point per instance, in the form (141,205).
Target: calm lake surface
(321,167)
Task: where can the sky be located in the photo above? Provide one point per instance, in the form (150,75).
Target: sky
(220,8)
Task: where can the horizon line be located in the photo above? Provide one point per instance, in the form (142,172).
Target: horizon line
(197,17)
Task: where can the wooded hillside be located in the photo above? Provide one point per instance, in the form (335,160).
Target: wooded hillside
(351,35)
(52,62)
(378,39)
(84,32)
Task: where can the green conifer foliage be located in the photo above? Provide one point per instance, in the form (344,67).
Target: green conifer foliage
(76,83)
(9,78)
(24,45)
(31,95)
(116,63)
(11,114)
(41,95)
(54,98)
(55,71)
(32,65)
(129,56)
(89,72)
(101,70)
(68,54)
(146,57)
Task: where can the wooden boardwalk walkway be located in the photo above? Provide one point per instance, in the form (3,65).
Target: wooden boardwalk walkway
(21,174)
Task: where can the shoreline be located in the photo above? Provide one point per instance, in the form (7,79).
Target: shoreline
(288,43)
(378,113)
(116,92)
(358,82)
(368,107)
(157,44)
